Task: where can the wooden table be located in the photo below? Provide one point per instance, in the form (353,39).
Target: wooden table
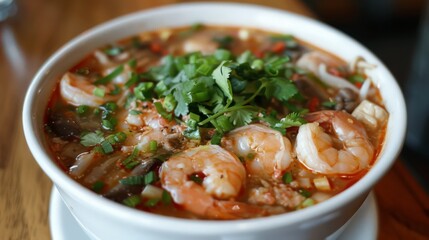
(42,26)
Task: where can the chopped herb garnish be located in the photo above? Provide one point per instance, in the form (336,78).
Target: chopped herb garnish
(160,109)
(109,77)
(153,145)
(304,193)
(143,91)
(307,203)
(132,201)
(98,186)
(166,198)
(82,109)
(287,177)
(151,202)
(150,177)
(356,78)
(130,162)
(117,90)
(109,124)
(107,147)
(217,136)
(133,180)
(99,92)
(135,112)
(132,80)
(92,139)
(329,104)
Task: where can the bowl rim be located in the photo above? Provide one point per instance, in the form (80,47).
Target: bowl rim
(206,227)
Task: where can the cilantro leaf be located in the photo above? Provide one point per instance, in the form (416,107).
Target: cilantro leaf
(221,75)
(281,89)
(293,119)
(242,117)
(92,139)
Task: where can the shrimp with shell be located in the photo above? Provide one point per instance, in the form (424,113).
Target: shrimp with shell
(346,150)
(224,178)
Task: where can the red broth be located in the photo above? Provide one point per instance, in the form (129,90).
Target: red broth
(139,122)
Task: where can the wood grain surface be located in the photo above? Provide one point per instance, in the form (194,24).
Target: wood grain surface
(42,26)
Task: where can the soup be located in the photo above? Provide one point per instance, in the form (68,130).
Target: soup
(210,122)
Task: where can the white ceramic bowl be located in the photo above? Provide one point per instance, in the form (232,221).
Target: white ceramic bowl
(105,219)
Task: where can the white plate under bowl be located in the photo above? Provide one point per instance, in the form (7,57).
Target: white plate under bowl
(363,225)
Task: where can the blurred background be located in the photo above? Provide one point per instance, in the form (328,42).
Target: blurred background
(397,31)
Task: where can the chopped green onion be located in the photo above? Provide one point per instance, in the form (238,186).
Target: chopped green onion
(257,65)
(205,69)
(217,136)
(132,201)
(99,92)
(169,103)
(111,106)
(130,162)
(143,91)
(329,104)
(133,180)
(166,198)
(109,124)
(133,80)
(82,109)
(307,203)
(287,177)
(120,137)
(356,78)
(160,109)
(117,90)
(132,63)
(98,186)
(151,202)
(153,145)
(107,147)
(109,77)
(150,177)
(135,112)
(304,192)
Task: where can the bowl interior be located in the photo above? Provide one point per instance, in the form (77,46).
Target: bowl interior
(306,29)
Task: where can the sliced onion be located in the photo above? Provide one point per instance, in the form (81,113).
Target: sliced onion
(152,192)
(83,161)
(334,81)
(322,183)
(364,90)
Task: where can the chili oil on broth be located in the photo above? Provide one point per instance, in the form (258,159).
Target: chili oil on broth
(117,148)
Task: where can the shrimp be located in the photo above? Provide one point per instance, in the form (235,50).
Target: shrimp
(270,152)
(77,90)
(346,153)
(371,115)
(225,177)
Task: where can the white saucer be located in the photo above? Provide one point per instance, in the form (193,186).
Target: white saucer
(363,225)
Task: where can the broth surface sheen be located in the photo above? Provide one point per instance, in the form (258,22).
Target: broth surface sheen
(212,122)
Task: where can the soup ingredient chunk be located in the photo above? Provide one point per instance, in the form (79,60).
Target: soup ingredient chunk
(346,151)
(209,197)
(265,151)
